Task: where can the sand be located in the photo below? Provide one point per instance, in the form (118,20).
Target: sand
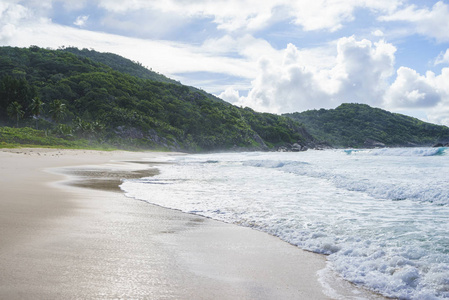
(67,232)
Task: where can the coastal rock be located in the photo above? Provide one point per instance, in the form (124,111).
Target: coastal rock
(369,143)
(319,145)
(441,145)
(260,141)
(296,147)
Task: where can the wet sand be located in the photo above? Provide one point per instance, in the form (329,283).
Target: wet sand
(67,232)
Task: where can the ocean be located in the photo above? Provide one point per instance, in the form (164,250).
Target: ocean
(381,216)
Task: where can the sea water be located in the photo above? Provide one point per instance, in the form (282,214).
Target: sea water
(381,216)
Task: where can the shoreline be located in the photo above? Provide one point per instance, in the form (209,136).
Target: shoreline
(74,237)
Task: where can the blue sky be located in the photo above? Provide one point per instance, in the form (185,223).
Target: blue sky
(275,56)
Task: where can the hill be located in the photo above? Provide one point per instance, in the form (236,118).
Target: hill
(123,65)
(359,125)
(107,99)
(120,64)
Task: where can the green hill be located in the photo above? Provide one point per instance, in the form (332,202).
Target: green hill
(106,99)
(120,64)
(123,65)
(359,125)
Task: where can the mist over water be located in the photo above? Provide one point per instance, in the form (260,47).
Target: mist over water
(380,215)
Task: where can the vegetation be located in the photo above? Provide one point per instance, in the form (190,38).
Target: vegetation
(13,137)
(105,99)
(135,69)
(359,125)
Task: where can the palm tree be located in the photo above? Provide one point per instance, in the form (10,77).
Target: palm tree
(14,110)
(57,110)
(36,108)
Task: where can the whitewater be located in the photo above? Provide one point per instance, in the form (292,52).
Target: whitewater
(381,216)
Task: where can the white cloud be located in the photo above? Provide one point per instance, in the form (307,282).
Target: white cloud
(230,95)
(362,69)
(243,46)
(253,15)
(359,74)
(432,22)
(439,114)
(378,33)
(11,15)
(163,56)
(443,58)
(412,90)
(322,14)
(281,87)
(229,15)
(81,21)
(428,93)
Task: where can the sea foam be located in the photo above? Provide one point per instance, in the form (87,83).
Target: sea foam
(380,218)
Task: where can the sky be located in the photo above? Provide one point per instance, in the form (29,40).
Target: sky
(274,56)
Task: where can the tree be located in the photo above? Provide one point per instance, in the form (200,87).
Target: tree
(15,111)
(15,90)
(57,110)
(36,108)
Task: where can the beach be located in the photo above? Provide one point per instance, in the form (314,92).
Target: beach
(68,232)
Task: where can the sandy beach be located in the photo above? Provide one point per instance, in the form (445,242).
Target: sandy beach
(68,232)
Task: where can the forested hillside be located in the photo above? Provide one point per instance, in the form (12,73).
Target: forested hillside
(359,125)
(106,99)
(129,67)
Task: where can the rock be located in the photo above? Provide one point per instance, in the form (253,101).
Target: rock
(282,149)
(369,143)
(441,145)
(260,141)
(296,147)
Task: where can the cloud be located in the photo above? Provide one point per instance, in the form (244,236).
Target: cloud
(359,74)
(163,56)
(378,33)
(439,114)
(432,22)
(363,68)
(245,46)
(332,15)
(230,95)
(81,21)
(427,93)
(229,15)
(11,14)
(282,87)
(443,58)
(255,15)
(412,90)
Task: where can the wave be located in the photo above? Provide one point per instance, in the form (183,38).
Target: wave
(438,151)
(378,182)
(329,203)
(275,164)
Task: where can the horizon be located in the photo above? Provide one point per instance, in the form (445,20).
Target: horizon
(273,56)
